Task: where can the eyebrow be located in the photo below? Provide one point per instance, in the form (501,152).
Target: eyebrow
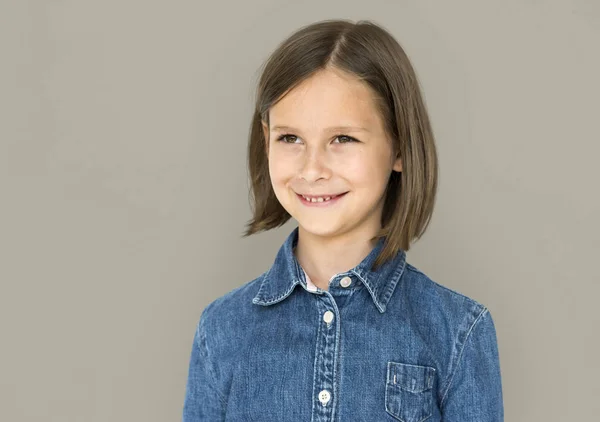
(331,129)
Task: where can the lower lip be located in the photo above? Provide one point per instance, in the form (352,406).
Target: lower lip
(321,204)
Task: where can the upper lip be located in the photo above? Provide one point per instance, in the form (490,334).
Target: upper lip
(321,196)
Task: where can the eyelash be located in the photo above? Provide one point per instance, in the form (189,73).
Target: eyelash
(351,139)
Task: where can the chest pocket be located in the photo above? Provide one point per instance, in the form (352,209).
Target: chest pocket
(409,391)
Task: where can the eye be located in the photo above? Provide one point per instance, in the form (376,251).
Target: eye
(285,136)
(345,139)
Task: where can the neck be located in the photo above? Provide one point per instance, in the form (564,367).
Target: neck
(322,257)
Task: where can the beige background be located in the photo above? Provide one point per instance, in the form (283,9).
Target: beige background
(124,193)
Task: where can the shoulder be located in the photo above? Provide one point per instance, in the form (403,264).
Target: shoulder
(233,304)
(441,303)
(447,318)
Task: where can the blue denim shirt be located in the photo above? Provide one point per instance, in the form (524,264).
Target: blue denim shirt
(384,345)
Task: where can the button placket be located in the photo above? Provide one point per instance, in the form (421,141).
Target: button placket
(327,349)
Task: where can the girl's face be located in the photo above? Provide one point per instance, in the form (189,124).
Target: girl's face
(326,138)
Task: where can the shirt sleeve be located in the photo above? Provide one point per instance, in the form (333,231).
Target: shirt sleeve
(474,393)
(203,401)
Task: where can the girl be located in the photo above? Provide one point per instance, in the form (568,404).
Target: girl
(342,327)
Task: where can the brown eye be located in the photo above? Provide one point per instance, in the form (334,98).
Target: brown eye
(344,139)
(283,138)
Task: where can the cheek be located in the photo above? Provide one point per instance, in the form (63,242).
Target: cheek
(278,171)
(365,170)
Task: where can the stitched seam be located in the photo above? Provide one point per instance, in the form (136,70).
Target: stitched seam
(397,275)
(458,362)
(202,338)
(373,293)
(337,353)
(284,294)
(441,286)
(317,354)
(262,286)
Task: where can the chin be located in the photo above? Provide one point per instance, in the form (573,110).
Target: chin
(319,228)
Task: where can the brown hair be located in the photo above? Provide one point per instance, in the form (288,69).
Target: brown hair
(369,52)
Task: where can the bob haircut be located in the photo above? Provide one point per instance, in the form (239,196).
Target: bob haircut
(369,52)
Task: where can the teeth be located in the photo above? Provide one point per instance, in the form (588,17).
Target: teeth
(317,199)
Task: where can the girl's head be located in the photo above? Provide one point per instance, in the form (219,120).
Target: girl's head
(339,111)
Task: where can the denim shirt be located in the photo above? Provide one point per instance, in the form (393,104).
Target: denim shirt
(384,345)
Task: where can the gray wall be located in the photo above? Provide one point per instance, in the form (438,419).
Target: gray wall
(124,193)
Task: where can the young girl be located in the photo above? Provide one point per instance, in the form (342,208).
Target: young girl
(342,327)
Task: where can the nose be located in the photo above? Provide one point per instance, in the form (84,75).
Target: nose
(315,164)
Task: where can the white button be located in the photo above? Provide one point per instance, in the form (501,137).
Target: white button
(328,317)
(345,282)
(324,396)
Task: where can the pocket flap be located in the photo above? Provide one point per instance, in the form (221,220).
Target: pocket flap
(415,378)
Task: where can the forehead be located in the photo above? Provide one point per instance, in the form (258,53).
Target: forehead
(328,97)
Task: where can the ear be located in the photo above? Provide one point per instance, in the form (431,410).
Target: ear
(398,164)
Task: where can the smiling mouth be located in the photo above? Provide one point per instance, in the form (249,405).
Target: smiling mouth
(320,199)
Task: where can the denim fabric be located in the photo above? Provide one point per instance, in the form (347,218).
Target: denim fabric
(385,345)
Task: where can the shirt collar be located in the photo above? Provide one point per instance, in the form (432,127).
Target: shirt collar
(281,279)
